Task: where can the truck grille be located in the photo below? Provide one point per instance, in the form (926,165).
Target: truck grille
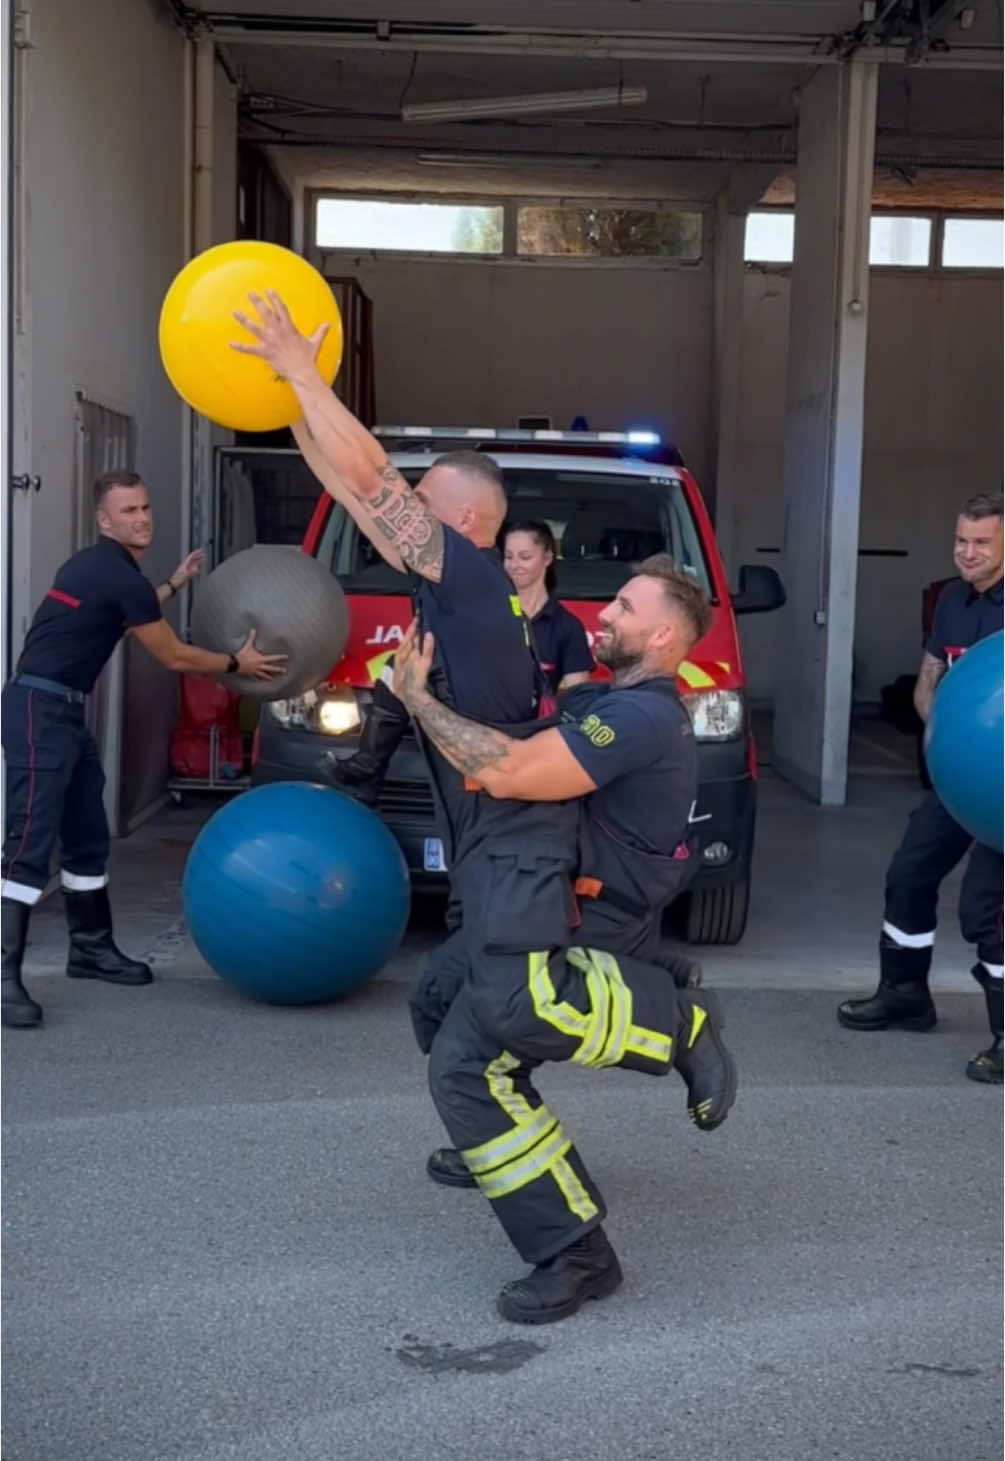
(411,801)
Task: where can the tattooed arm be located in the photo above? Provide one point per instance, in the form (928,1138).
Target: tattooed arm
(357,471)
(337,488)
(931,672)
(539,769)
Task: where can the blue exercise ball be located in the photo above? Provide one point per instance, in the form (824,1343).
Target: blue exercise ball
(964,740)
(295,893)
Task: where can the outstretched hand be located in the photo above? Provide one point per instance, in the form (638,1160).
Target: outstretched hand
(278,340)
(252,662)
(412,663)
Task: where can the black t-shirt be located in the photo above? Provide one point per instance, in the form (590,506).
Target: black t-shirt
(482,635)
(561,643)
(97,595)
(962,617)
(637,745)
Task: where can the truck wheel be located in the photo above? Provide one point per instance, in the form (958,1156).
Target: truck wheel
(717,915)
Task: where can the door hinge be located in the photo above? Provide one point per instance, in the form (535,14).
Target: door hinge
(25,482)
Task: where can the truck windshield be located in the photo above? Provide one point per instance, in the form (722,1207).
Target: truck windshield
(603,522)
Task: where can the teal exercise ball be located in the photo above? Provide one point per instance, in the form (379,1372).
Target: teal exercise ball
(295,893)
(964,741)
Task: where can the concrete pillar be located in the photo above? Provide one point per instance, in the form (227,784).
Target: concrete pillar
(823,428)
(727,350)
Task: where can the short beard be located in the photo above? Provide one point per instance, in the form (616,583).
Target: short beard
(619,661)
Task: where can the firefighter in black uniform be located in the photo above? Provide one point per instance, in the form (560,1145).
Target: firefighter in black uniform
(968,609)
(54,776)
(537,989)
(529,852)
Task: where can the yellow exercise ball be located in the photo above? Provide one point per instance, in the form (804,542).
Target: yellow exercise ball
(197,325)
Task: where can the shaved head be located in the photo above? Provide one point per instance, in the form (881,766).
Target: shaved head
(464,489)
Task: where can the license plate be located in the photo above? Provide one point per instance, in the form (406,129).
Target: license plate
(432,855)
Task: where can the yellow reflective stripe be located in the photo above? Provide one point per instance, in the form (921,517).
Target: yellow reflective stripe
(621,1002)
(514,603)
(528,1168)
(698,1018)
(693,676)
(579,1200)
(562,1017)
(532,1164)
(517,1107)
(375,666)
(600,1003)
(511,1144)
(649,1043)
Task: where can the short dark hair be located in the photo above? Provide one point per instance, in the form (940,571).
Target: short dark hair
(117,477)
(476,463)
(545,538)
(985,504)
(681,592)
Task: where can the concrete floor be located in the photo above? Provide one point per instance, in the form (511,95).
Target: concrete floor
(219,1243)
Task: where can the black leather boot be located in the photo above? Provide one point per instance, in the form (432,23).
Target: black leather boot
(587,1269)
(685,972)
(362,775)
(93,954)
(987,1066)
(902,1001)
(19,1011)
(703,1060)
(446,1166)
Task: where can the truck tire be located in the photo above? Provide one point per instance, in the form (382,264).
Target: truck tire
(717,915)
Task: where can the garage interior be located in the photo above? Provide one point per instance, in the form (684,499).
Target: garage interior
(827,355)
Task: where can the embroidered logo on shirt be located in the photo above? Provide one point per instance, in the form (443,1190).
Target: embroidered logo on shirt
(596,732)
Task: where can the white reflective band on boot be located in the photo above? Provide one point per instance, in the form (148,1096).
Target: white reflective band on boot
(76,883)
(996,971)
(20,892)
(909,940)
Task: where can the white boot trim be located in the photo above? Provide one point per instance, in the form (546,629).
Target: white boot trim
(909,940)
(20,892)
(77,883)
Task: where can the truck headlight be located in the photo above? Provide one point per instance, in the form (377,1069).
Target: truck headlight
(334,710)
(717,715)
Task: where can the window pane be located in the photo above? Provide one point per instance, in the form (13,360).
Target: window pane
(603,523)
(768,238)
(609,233)
(902,241)
(439,228)
(973,243)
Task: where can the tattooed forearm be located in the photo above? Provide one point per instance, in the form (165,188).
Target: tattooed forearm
(406,522)
(469,747)
(931,672)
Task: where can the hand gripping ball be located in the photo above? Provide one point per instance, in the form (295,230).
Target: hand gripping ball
(197,325)
(963,741)
(294,604)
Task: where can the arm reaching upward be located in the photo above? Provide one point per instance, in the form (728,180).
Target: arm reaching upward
(387,510)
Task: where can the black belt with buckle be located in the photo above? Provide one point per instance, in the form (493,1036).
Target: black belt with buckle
(50,687)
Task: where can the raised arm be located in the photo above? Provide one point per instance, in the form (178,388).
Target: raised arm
(387,509)
(339,490)
(931,672)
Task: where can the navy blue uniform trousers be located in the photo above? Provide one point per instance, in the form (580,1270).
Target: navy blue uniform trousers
(55,787)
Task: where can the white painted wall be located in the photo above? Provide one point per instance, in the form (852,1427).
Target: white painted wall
(478,343)
(105,174)
(933,436)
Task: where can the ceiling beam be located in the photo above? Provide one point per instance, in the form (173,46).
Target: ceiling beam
(478,40)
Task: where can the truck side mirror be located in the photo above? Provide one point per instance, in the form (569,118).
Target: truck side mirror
(760,590)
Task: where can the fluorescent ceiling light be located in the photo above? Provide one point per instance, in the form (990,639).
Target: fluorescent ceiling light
(519,106)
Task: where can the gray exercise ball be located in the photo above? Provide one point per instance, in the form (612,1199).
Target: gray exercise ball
(293,603)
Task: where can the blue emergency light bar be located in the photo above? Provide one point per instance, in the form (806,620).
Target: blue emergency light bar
(492,433)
